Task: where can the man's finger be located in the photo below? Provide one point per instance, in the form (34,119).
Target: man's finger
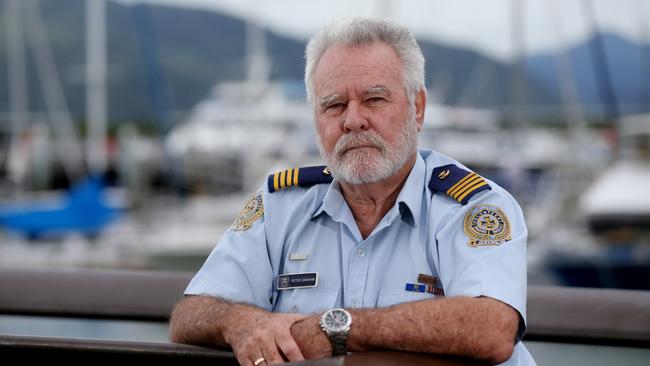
(289,348)
(245,361)
(271,353)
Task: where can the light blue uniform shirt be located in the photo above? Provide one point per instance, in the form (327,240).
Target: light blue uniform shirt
(423,233)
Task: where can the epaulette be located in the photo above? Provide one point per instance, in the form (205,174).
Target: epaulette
(456,182)
(304,177)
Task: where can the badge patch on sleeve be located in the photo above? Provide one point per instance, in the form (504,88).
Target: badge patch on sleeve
(486,225)
(253,210)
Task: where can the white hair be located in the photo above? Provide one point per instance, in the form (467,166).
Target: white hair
(359,32)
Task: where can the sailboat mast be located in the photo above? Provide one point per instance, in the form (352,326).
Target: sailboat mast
(17,79)
(644,71)
(568,89)
(96,85)
(518,37)
(601,70)
(257,71)
(68,146)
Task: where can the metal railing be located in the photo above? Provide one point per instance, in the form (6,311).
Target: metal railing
(555,314)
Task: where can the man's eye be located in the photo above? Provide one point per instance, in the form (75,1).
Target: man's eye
(375,100)
(334,107)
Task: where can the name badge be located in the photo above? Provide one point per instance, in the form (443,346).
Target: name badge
(290,281)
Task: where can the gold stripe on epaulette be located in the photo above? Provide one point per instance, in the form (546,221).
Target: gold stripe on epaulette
(289,176)
(453,189)
(468,184)
(285,178)
(276,184)
(471,189)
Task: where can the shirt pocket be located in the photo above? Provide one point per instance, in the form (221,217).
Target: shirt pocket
(392,297)
(306,300)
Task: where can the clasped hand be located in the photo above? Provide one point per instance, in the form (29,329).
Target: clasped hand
(277,337)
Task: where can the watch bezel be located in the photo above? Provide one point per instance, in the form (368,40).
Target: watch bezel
(330,313)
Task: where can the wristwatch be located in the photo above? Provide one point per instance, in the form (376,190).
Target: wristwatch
(336,325)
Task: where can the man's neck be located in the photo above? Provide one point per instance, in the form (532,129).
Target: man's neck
(370,202)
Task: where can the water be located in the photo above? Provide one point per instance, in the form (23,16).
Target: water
(102,329)
(558,354)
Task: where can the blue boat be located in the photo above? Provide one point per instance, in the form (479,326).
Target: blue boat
(82,209)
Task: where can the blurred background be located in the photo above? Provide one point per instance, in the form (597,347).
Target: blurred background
(133,132)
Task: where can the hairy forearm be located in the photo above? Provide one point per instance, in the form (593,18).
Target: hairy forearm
(476,327)
(204,320)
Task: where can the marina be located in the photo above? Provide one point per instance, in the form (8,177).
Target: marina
(117,180)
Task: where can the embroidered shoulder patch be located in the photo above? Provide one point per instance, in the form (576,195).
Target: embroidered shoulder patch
(486,225)
(252,211)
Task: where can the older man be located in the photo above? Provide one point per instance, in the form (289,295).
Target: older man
(386,247)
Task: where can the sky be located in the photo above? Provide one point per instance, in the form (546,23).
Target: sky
(483,25)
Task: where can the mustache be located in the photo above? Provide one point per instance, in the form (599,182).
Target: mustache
(358,139)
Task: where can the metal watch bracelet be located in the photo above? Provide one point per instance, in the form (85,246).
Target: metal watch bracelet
(339,344)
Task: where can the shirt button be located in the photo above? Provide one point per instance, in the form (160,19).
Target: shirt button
(361,252)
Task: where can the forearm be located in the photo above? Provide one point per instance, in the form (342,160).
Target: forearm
(476,327)
(204,319)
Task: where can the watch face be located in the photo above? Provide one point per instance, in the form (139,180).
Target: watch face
(337,320)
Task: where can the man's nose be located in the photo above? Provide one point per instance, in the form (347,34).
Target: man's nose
(355,119)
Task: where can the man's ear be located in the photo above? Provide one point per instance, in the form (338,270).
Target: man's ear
(420,106)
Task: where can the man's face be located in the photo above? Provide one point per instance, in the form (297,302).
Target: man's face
(366,127)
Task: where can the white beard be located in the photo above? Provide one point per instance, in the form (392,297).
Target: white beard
(374,164)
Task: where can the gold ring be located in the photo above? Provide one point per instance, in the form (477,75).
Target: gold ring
(259,361)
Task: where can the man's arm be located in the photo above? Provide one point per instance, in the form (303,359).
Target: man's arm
(482,328)
(250,331)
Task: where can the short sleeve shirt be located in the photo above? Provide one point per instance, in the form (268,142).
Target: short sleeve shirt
(419,250)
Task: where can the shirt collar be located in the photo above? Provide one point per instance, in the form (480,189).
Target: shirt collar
(332,201)
(409,200)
